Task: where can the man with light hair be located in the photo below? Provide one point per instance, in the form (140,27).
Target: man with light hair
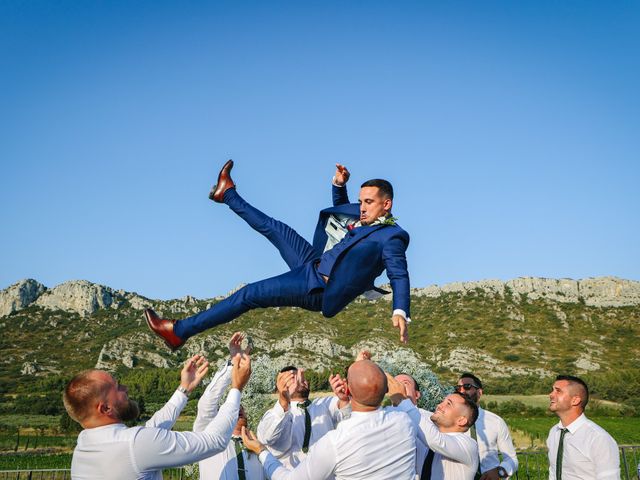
(579,449)
(108,449)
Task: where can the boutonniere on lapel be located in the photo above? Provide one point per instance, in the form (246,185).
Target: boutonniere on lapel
(388,220)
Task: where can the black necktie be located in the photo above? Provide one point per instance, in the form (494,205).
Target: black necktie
(307,425)
(239,458)
(563,432)
(426,466)
(474,435)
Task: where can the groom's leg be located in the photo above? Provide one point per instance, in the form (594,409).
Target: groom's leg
(287,290)
(294,249)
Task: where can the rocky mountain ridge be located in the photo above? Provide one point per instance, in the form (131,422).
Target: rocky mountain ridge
(85,298)
(518,328)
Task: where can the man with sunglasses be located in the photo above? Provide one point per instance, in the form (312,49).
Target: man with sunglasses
(491,433)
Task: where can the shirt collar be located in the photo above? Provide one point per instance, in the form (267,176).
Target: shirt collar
(575,425)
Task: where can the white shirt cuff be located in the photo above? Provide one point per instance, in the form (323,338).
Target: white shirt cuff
(178,399)
(333,182)
(402,313)
(263,455)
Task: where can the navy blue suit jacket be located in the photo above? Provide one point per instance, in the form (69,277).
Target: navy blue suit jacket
(374,249)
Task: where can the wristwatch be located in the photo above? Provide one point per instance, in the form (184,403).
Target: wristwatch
(502,473)
(183,390)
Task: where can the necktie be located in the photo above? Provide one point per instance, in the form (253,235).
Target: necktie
(563,432)
(426,466)
(307,425)
(239,458)
(474,435)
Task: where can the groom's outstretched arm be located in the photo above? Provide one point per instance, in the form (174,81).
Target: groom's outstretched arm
(339,190)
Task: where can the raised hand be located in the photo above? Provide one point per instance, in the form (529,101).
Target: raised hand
(250,441)
(342,175)
(340,390)
(193,372)
(235,344)
(285,383)
(363,355)
(396,390)
(241,371)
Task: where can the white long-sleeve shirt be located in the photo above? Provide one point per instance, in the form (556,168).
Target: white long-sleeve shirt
(455,454)
(118,452)
(224,465)
(283,432)
(589,452)
(377,445)
(493,437)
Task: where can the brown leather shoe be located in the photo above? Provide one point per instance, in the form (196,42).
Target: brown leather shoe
(163,328)
(224,183)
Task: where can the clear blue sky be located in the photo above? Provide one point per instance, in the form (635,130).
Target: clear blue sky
(510,130)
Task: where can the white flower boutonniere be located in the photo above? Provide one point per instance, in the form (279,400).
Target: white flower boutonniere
(388,220)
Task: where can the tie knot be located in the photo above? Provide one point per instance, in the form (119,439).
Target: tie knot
(304,404)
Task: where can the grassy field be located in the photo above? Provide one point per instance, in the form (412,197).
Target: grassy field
(542,401)
(625,430)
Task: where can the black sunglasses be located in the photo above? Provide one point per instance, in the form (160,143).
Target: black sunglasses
(466,386)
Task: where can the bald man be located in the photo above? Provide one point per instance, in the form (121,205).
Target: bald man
(374,444)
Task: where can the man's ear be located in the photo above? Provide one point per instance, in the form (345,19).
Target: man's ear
(462,421)
(575,400)
(480,393)
(103,408)
(388,203)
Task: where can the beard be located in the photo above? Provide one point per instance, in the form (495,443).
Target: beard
(128,412)
(302,392)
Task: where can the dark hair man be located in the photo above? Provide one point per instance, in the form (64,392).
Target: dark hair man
(491,433)
(353,244)
(108,449)
(294,425)
(443,449)
(374,443)
(578,448)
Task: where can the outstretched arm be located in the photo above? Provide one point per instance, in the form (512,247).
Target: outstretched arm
(395,262)
(339,189)
(191,375)
(208,403)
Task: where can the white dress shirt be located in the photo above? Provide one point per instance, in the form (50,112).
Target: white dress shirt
(120,453)
(377,445)
(455,454)
(224,465)
(283,432)
(589,452)
(493,438)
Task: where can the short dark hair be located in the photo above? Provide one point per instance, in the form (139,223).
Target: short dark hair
(386,189)
(582,386)
(472,406)
(472,377)
(289,368)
